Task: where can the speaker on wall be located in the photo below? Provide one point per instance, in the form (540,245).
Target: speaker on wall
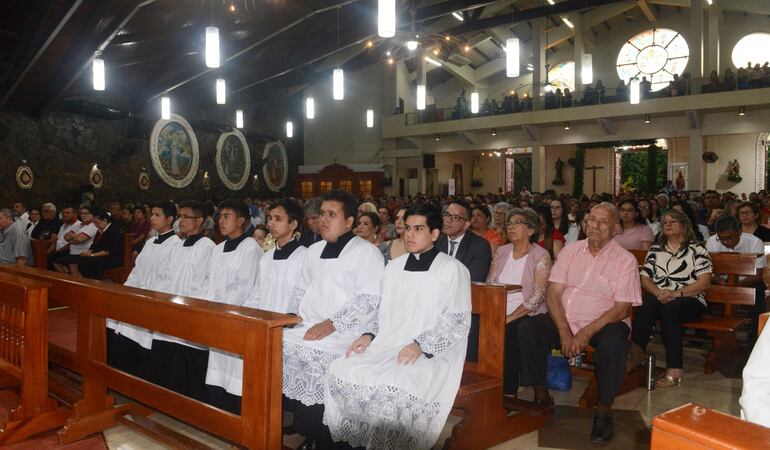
(428,161)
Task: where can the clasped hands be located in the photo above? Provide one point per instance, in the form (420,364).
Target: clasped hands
(573,345)
(664,295)
(407,355)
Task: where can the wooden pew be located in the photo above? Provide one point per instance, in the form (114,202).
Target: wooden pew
(119,275)
(255,335)
(479,402)
(40,253)
(24,358)
(691,427)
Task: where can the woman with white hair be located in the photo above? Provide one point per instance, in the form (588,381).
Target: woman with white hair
(499,214)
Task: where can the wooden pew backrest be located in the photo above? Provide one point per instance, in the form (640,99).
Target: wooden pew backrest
(763,321)
(120,274)
(40,253)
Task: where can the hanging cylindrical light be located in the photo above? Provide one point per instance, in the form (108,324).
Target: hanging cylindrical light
(310,108)
(420,97)
(369,118)
(239,118)
(289,129)
(165,108)
(587,68)
(221,97)
(98,69)
(512,57)
(338,84)
(386,18)
(634,91)
(212,47)
(474,102)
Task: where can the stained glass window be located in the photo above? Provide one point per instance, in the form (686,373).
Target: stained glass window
(753,48)
(657,54)
(562,75)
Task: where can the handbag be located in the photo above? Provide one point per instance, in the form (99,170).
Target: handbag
(559,377)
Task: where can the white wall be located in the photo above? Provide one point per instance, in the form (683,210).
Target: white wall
(729,147)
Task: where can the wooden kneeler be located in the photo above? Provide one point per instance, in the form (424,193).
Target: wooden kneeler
(24,358)
(479,402)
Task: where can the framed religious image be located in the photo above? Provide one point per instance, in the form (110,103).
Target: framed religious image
(276,168)
(144,180)
(174,151)
(233,159)
(677,173)
(95,177)
(24,176)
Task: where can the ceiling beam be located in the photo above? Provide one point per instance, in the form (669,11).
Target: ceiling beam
(647,11)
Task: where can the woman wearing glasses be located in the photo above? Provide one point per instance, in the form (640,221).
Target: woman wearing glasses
(676,272)
(748,215)
(523,263)
(636,234)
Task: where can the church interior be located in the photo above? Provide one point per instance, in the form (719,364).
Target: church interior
(117,105)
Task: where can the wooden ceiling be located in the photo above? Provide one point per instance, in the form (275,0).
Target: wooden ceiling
(154,46)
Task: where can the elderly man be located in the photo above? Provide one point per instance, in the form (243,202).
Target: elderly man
(48,227)
(14,243)
(593,286)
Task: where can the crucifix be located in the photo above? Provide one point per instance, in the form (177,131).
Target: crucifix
(593,170)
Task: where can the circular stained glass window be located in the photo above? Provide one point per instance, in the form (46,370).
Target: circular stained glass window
(562,75)
(657,54)
(753,48)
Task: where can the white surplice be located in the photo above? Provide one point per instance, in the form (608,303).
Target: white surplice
(277,281)
(373,402)
(153,270)
(755,399)
(345,289)
(232,279)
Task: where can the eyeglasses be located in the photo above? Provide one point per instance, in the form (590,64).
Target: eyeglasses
(730,239)
(669,222)
(453,217)
(516,222)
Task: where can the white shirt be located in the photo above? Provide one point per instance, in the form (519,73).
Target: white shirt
(512,273)
(87,229)
(64,229)
(748,244)
(457,246)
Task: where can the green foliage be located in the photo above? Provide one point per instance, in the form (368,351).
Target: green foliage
(580,163)
(522,173)
(639,175)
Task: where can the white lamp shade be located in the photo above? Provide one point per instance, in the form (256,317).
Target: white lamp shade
(512,57)
(369,118)
(420,97)
(634,91)
(386,18)
(310,108)
(290,129)
(165,108)
(212,47)
(587,68)
(239,118)
(474,102)
(221,95)
(338,84)
(98,67)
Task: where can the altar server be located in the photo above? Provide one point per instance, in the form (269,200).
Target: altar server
(184,363)
(337,293)
(232,275)
(128,346)
(397,382)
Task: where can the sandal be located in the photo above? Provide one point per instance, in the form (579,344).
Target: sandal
(667,381)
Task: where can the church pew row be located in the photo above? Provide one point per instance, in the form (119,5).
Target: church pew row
(117,275)
(254,334)
(24,359)
(484,422)
(722,323)
(692,426)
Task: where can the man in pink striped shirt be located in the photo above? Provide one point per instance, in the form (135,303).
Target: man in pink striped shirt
(593,285)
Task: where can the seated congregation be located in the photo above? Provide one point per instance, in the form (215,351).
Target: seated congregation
(389,332)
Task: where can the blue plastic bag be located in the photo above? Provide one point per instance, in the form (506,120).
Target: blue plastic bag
(559,377)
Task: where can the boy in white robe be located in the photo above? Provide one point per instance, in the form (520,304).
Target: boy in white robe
(232,274)
(397,383)
(337,293)
(184,363)
(128,346)
(755,399)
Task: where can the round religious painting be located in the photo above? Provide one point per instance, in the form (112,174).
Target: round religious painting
(233,159)
(174,151)
(276,168)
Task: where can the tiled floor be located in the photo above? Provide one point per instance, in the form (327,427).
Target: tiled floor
(714,391)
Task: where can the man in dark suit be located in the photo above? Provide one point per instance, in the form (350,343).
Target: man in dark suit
(470,249)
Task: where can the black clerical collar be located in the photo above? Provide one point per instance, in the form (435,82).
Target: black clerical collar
(232,244)
(192,239)
(332,250)
(421,262)
(162,237)
(285,251)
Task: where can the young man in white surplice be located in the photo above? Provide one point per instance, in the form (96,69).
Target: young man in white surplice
(233,269)
(337,293)
(129,346)
(397,383)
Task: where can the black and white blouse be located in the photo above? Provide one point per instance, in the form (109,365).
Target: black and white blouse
(675,270)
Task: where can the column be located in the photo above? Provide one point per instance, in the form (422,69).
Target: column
(579,50)
(712,49)
(538,58)
(695,163)
(696,45)
(538,167)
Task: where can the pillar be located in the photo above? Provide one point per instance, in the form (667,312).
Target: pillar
(695,161)
(538,167)
(579,50)
(696,44)
(538,58)
(712,49)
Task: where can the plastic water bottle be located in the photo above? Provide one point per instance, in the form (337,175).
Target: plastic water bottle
(650,365)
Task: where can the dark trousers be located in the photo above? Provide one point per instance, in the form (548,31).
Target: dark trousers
(180,368)
(671,315)
(93,267)
(512,362)
(611,347)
